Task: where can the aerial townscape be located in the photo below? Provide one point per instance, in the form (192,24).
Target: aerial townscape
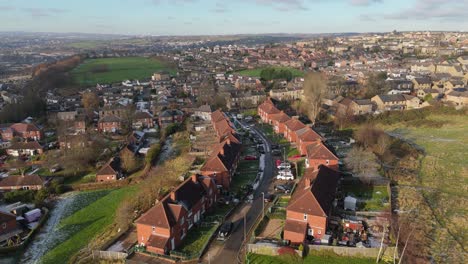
(186,132)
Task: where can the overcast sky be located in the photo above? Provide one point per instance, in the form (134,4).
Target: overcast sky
(205,17)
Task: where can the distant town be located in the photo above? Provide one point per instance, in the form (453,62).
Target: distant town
(233,149)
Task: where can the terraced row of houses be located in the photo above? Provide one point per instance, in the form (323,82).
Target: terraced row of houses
(164,227)
(311,204)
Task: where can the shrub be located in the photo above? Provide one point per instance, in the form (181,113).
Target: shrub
(153,154)
(25,196)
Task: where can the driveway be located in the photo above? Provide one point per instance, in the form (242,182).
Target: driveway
(227,253)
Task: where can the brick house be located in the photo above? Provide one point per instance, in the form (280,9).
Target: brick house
(163,227)
(278,120)
(291,127)
(223,160)
(266,109)
(318,154)
(111,171)
(110,124)
(168,117)
(310,205)
(8,226)
(142,120)
(31,148)
(306,136)
(21,182)
(26,131)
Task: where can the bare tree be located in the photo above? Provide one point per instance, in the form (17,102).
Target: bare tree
(90,101)
(343,117)
(363,163)
(314,87)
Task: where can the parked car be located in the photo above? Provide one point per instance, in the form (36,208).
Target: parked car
(261,150)
(282,188)
(269,197)
(248,118)
(285,175)
(276,152)
(278,162)
(224,231)
(274,146)
(250,157)
(284,165)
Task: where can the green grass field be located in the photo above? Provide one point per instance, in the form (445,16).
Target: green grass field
(313,257)
(109,70)
(444,167)
(83,225)
(256,72)
(442,179)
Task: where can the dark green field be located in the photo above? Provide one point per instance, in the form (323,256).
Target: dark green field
(109,70)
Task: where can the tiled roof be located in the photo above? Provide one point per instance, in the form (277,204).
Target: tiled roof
(294,124)
(168,212)
(111,167)
(21,180)
(315,192)
(318,150)
(307,134)
(25,145)
(295,226)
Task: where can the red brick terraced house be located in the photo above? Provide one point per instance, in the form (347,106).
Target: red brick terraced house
(143,120)
(311,205)
(163,227)
(26,131)
(110,124)
(111,171)
(222,163)
(292,127)
(318,154)
(306,136)
(21,182)
(278,120)
(266,110)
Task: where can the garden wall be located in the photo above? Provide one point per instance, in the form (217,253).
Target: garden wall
(351,251)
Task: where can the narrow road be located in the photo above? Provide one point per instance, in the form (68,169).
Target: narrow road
(228,254)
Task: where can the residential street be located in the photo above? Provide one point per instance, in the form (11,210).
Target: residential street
(228,253)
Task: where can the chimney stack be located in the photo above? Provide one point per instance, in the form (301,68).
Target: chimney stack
(194,178)
(173,196)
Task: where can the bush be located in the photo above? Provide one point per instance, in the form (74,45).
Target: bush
(25,196)
(153,154)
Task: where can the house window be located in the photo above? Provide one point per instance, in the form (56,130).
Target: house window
(305,216)
(4,225)
(327,162)
(182,220)
(310,232)
(319,232)
(153,228)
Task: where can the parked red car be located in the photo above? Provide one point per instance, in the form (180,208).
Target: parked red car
(249,157)
(278,162)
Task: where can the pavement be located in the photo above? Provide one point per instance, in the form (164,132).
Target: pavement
(227,252)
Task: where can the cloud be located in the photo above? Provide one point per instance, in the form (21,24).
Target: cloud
(220,8)
(433,9)
(284,5)
(364,2)
(43,12)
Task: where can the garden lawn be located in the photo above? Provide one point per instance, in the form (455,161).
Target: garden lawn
(312,258)
(109,70)
(196,239)
(256,72)
(85,224)
(246,173)
(372,197)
